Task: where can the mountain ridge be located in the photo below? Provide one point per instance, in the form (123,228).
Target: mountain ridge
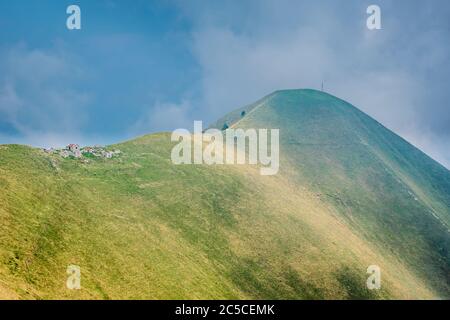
(349,194)
(250,107)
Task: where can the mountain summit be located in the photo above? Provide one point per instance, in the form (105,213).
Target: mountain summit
(349,194)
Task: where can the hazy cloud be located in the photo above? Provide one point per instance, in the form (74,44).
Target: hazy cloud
(37,101)
(166,65)
(163,117)
(397,75)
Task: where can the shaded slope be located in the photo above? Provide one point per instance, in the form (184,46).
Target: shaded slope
(389,191)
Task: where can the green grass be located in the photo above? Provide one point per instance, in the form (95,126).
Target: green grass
(140,227)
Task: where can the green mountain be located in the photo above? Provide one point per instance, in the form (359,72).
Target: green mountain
(349,194)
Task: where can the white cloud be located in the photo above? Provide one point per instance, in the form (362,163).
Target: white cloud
(46,139)
(432,144)
(37,99)
(163,117)
(244,56)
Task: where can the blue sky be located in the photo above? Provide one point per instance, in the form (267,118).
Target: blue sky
(140,66)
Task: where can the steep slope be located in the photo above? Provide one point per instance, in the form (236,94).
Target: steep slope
(393,194)
(349,194)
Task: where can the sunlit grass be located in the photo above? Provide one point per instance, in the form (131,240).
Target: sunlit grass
(140,227)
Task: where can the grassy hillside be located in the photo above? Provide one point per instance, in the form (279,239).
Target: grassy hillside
(394,195)
(349,194)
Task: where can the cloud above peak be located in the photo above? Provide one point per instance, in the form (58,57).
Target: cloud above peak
(145,67)
(387,73)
